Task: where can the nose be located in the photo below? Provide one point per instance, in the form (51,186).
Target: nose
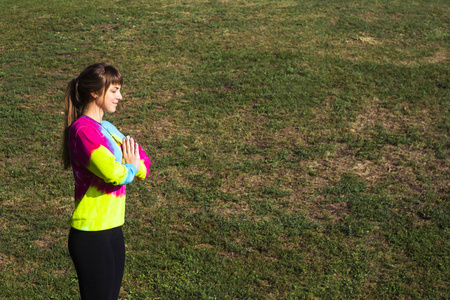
(119,96)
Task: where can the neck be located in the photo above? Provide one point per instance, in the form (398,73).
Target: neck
(94,112)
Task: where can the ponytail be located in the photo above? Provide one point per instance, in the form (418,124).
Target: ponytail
(72,112)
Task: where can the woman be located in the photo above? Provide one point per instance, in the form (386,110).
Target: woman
(103,161)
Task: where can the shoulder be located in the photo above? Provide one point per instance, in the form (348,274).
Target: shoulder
(85,122)
(85,127)
(108,125)
(111,128)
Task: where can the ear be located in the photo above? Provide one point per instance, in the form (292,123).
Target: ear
(94,95)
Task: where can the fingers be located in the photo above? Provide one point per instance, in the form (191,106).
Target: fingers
(126,142)
(130,147)
(126,146)
(130,151)
(137,154)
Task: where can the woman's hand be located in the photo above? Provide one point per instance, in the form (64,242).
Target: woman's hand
(130,150)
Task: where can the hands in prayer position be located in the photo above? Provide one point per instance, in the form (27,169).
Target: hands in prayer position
(130,150)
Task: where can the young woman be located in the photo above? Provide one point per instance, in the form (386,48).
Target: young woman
(103,161)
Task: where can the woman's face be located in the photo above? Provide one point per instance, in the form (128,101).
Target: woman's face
(109,101)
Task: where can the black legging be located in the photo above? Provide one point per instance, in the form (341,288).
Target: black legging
(99,258)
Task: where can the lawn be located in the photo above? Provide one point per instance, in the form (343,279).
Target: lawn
(300,148)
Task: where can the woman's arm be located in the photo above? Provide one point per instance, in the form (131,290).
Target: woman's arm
(145,165)
(90,152)
(145,162)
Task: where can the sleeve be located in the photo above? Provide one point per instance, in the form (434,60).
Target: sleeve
(145,164)
(99,160)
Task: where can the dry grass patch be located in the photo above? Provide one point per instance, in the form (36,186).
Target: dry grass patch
(47,239)
(406,166)
(440,56)
(5,260)
(228,209)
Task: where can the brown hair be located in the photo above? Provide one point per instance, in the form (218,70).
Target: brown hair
(95,79)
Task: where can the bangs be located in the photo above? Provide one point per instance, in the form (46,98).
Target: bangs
(112,76)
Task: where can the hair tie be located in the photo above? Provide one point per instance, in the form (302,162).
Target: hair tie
(76,79)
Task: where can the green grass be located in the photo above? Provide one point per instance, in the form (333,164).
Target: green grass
(300,148)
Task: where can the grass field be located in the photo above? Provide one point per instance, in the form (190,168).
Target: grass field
(300,148)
